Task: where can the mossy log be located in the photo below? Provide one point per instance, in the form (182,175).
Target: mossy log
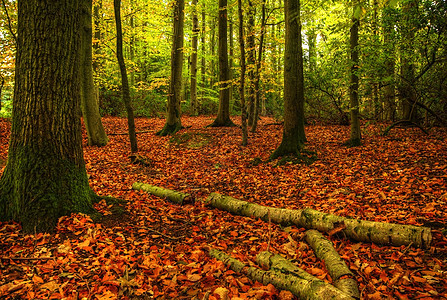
(300,283)
(341,276)
(173,196)
(358,230)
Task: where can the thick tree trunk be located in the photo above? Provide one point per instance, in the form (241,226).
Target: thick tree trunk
(341,276)
(291,278)
(294,137)
(124,80)
(173,120)
(355,139)
(89,102)
(223,113)
(195,33)
(358,230)
(242,79)
(45,176)
(173,196)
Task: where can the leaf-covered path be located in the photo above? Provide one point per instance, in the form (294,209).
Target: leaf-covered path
(159,250)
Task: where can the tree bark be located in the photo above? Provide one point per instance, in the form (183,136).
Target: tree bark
(355,139)
(242,78)
(341,276)
(223,113)
(124,79)
(173,121)
(358,230)
(45,175)
(173,196)
(295,280)
(195,33)
(89,102)
(294,137)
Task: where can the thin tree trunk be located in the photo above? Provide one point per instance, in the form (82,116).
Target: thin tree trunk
(195,33)
(124,80)
(89,102)
(173,121)
(251,61)
(45,176)
(355,139)
(258,70)
(242,79)
(202,64)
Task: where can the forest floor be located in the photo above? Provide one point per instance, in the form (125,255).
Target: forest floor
(159,250)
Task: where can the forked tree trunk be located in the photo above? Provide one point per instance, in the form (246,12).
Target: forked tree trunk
(258,70)
(89,102)
(283,275)
(242,79)
(45,175)
(173,120)
(124,80)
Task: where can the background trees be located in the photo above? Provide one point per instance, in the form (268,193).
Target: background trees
(401,65)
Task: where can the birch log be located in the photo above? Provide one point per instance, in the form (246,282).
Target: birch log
(358,230)
(301,284)
(173,196)
(342,277)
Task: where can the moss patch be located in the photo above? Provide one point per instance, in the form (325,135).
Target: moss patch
(191,140)
(303,157)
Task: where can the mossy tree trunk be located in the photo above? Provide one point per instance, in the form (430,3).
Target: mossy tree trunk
(223,113)
(355,139)
(124,80)
(45,175)
(294,137)
(89,102)
(173,120)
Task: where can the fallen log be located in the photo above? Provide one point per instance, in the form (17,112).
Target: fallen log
(342,277)
(300,283)
(358,230)
(173,196)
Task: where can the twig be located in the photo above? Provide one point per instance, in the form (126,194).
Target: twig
(160,233)
(124,133)
(270,232)
(9,21)
(24,258)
